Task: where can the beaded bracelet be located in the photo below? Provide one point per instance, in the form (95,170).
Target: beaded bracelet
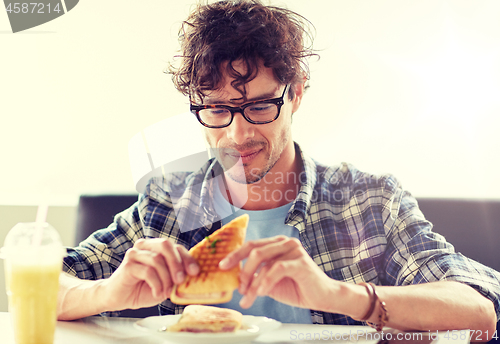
(383,316)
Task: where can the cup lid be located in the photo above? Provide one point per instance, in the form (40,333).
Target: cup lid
(28,237)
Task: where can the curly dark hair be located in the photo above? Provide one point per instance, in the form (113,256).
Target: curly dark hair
(246,30)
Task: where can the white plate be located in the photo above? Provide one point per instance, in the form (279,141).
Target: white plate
(252,328)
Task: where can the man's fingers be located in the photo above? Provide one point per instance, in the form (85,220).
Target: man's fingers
(141,266)
(190,264)
(280,250)
(251,294)
(273,271)
(233,258)
(150,261)
(174,261)
(273,275)
(177,258)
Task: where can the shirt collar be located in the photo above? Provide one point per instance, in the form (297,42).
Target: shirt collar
(307,178)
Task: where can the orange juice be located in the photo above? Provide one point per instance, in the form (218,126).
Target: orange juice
(32,292)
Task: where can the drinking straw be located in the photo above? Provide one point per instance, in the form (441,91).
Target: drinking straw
(41,217)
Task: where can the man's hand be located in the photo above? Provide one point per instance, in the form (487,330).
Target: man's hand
(144,278)
(148,273)
(279,267)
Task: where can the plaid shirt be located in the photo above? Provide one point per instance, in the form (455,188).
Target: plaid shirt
(357,227)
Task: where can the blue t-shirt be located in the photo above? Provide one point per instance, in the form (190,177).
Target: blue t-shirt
(262,224)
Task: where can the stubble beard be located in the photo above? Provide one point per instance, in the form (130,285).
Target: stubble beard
(242,174)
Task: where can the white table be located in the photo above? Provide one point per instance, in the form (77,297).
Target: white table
(100,330)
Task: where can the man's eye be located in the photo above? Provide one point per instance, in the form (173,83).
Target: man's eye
(260,107)
(217,112)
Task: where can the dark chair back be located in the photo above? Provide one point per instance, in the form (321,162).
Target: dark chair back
(96,212)
(472,226)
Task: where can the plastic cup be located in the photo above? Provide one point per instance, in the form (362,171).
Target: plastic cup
(33,255)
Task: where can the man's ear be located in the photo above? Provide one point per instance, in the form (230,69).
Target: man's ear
(298,93)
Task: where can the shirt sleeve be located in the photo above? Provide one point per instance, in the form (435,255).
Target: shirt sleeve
(415,254)
(99,255)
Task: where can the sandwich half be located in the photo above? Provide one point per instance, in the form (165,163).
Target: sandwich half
(213,285)
(197,318)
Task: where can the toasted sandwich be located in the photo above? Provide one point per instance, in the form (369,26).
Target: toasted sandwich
(197,318)
(213,285)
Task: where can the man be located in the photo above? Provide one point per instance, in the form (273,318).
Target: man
(316,232)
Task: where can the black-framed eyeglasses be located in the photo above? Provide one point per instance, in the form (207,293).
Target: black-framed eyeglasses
(255,112)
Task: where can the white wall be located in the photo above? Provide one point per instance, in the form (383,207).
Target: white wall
(402,86)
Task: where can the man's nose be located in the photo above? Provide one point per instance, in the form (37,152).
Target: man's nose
(240,129)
